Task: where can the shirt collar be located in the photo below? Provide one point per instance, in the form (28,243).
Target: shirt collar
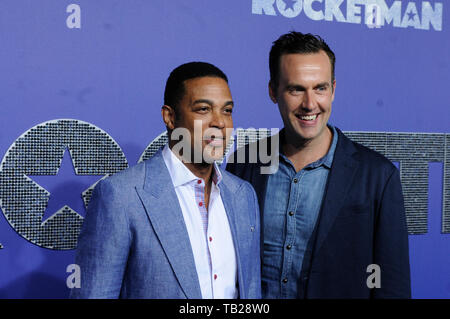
(326,160)
(180,174)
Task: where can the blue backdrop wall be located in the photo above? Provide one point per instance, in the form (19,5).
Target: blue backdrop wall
(103,64)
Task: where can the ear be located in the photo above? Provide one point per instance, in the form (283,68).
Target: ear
(272,93)
(168,115)
(334,90)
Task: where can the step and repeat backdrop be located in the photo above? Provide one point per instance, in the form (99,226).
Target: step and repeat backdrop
(82,82)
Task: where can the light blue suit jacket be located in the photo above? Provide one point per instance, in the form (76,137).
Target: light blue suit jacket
(134,242)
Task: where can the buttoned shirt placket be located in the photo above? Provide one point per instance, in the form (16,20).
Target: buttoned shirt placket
(199,189)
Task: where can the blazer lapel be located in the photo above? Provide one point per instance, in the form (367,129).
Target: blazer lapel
(339,181)
(228,203)
(259,182)
(164,212)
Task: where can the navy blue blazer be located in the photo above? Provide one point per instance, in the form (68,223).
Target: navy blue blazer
(134,242)
(361,222)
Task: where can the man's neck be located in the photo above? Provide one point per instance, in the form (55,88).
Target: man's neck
(201,170)
(304,152)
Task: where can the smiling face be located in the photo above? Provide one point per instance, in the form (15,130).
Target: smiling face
(205,112)
(304,95)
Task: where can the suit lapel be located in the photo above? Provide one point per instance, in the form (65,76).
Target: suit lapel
(339,181)
(162,208)
(228,203)
(259,182)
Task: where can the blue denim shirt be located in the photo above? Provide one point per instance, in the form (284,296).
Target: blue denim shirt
(292,204)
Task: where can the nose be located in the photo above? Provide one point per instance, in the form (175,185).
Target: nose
(309,102)
(217,120)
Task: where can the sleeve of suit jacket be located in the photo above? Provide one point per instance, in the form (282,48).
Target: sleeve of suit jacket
(391,251)
(103,245)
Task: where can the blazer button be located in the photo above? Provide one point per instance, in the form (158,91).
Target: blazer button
(291,213)
(285,280)
(288,247)
(295,180)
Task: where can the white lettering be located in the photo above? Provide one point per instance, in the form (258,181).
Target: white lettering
(377,13)
(266,6)
(411,17)
(196,309)
(432,16)
(74,19)
(310,12)
(290,13)
(354,11)
(332,10)
(373,16)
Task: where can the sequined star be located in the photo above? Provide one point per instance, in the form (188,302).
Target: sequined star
(65,188)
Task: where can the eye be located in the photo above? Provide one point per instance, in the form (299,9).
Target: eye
(229,110)
(295,90)
(202,109)
(322,88)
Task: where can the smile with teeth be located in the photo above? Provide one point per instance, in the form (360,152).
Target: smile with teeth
(307,117)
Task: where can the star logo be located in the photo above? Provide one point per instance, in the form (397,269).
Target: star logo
(411,15)
(65,189)
(290,4)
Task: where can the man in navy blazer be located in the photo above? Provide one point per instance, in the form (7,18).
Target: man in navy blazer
(332,213)
(172,227)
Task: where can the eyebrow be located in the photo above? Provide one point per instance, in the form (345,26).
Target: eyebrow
(301,87)
(323,84)
(209,102)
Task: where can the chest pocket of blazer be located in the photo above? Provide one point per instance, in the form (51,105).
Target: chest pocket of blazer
(245,224)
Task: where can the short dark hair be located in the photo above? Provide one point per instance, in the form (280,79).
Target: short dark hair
(174,90)
(296,42)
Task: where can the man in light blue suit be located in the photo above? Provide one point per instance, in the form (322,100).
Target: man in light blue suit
(172,226)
